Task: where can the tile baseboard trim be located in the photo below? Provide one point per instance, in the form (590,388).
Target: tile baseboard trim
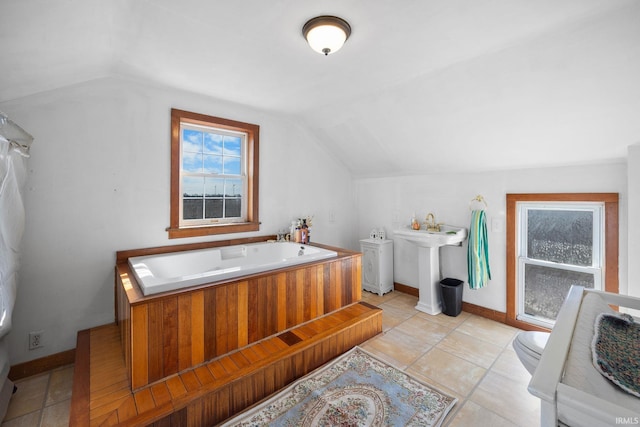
(43,364)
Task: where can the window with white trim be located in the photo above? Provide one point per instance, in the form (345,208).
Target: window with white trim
(213,175)
(527,249)
(559,244)
(214,184)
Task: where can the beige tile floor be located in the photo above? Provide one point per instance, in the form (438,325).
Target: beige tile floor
(468,357)
(42,400)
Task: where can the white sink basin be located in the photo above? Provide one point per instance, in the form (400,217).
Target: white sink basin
(428,244)
(448,235)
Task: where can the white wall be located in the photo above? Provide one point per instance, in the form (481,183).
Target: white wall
(390,202)
(571,91)
(99,182)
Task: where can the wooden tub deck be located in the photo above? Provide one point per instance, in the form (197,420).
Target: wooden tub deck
(197,356)
(217,389)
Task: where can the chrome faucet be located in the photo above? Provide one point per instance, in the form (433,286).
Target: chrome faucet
(430,222)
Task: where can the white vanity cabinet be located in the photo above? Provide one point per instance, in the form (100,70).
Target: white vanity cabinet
(377,265)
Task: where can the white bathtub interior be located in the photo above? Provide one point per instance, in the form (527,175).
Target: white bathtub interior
(176,270)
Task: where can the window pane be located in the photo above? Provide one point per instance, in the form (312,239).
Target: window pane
(192,162)
(213,143)
(213,187)
(205,152)
(232,145)
(191,141)
(213,208)
(192,208)
(232,208)
(545,289)
(212,164)
(192,186)
(233,188)
(232,165)
(561,236)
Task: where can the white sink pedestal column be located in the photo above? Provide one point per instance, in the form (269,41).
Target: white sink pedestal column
(429,280)
(428,244)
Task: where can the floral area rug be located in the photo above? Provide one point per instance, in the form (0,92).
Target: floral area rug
(356,389)
(616,350)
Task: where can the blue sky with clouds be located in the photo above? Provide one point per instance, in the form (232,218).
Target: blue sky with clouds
(211,153)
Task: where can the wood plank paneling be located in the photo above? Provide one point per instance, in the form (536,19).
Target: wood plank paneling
(176,387)
(221,320)
(204,375)
(210,349)
(144,401)
(311,293)
(80,392)
(190,380)
(216,369)
(337,271)
(197,328)
(326,288)
(291,299)
(281,301)
(170,335)
(185,329)
(260,325)
(253,313)
(161,394)
(156,345)
(232,317)
(243,313)
(357,278)
(299,284)
(124,315)
(320,289)
(139,346)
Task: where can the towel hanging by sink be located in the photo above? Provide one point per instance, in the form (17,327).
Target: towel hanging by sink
(478,251)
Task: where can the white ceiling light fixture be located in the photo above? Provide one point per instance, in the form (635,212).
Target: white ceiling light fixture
(326,34)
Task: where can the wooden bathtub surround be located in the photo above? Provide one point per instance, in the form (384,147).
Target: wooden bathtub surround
(167,333)
(197,356)
(211,392)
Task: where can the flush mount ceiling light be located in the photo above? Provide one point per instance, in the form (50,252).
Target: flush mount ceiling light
(326,34)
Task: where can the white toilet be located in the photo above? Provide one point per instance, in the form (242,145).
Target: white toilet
(529,346)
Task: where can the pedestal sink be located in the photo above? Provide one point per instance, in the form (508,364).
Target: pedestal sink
(429,244)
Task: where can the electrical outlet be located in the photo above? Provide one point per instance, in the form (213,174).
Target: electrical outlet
(35,340)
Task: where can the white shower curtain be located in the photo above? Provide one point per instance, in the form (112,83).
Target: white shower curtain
(14,151)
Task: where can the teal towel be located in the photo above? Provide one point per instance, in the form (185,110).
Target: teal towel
(478,251)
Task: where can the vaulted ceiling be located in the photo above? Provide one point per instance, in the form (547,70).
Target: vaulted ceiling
(421,85)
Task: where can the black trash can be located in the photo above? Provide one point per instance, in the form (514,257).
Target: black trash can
(451,292)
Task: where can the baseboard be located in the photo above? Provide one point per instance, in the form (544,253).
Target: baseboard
(406,289)
(498,316)
(488,313)
(47,363)
(44,364)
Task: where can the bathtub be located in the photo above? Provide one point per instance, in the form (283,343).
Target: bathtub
(176,270)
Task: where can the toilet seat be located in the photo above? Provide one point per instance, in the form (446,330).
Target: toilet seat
(529,346)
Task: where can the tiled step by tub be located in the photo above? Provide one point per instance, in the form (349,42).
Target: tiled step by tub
(217,389)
